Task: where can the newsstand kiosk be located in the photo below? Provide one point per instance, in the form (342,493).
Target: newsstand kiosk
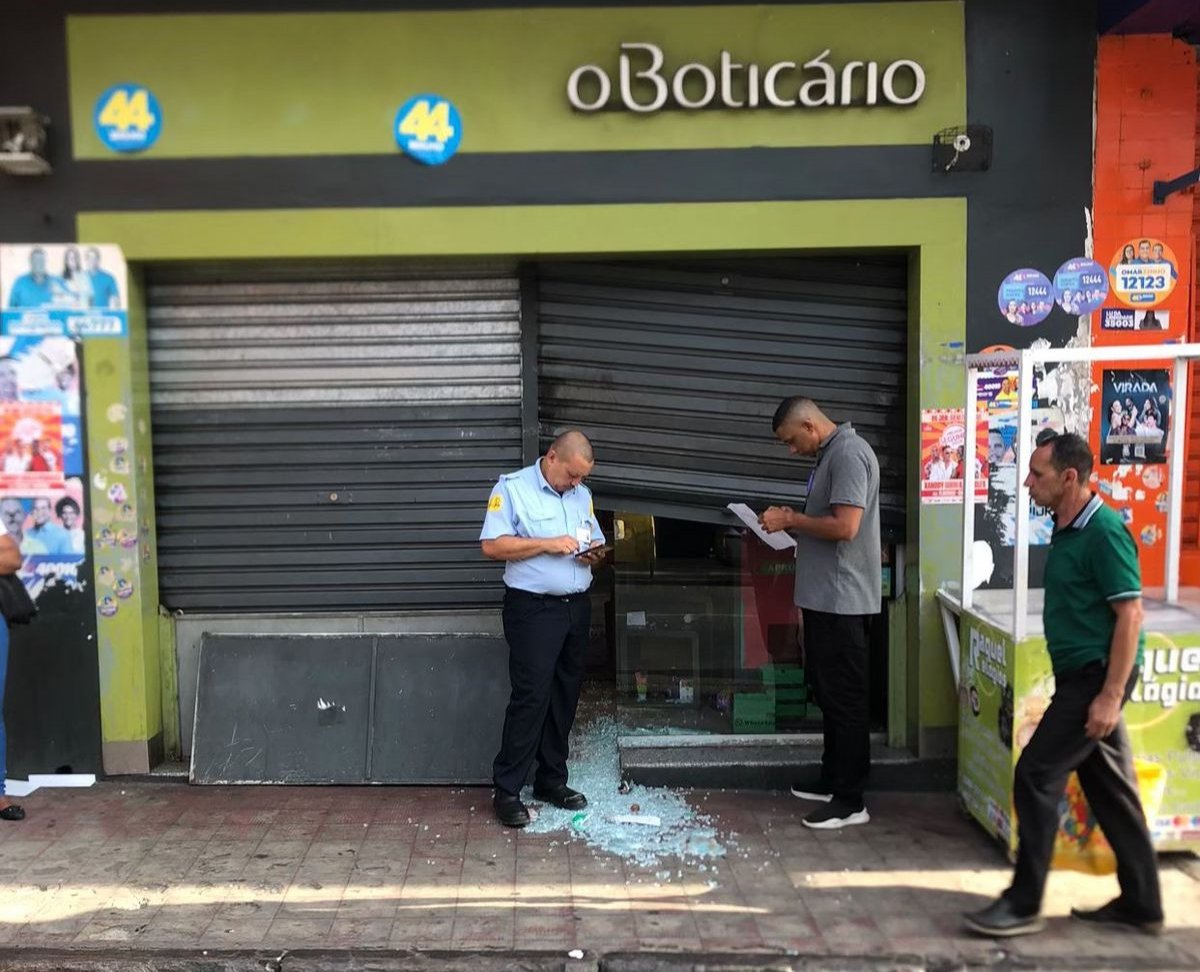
(998,651)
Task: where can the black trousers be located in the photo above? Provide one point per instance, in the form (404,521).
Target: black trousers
(836,653)
(1105,766)
(547,637)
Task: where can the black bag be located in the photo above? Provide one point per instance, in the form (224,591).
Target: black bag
(15,603)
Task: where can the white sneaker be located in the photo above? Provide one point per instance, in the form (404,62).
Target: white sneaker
(832,818)
(814,795)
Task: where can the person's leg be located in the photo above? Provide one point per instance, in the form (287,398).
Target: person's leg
(564,697)
(1059,745)
(535,633)
(844,705)
(4,801)
(1110,785)
(817,637)
(854,746)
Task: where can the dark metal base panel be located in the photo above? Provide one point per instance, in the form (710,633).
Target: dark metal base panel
(768,765)
(344,709)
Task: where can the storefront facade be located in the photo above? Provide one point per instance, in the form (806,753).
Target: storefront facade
(334,349)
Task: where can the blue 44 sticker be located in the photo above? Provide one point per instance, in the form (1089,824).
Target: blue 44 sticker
(128,118)
(428,128)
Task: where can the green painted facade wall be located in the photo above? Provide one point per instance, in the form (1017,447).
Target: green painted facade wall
(119,457)
(331,83)
(932,231)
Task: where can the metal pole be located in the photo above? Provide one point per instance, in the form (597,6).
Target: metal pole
(1025,395)
(968,524)
(1091,355)
(1176,462)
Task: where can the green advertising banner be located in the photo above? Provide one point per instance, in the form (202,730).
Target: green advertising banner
(985,728)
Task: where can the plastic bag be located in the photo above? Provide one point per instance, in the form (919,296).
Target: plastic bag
(1080,844)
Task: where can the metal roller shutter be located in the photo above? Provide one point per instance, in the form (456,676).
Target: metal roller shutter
(325,436)
(676,370)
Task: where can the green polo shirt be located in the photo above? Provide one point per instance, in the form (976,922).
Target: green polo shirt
(1093,562)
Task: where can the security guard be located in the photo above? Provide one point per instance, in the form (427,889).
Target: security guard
(540,521)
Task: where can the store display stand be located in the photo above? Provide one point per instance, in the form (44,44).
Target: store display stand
(998,650)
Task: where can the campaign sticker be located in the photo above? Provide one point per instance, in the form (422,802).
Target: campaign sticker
(1143,272)
(1025,297)
(1080,286)
(1117,319)
(428,128)
(128,118)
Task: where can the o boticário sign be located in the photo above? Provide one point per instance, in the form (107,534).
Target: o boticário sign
(645,83)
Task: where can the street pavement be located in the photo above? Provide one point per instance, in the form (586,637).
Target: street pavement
(158,867)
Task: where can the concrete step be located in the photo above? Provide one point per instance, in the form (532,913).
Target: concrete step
(767,762)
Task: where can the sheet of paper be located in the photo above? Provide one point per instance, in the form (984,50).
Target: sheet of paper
(779,540)
(62,779)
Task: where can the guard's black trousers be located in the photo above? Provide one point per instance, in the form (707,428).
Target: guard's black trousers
(836,650)
(1105,767)
(547,637)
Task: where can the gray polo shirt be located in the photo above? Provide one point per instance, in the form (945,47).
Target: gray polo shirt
(842,576)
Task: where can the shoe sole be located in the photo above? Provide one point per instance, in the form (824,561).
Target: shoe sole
(1031,928)
(561,806)
(1146,927)
(809,795)
(837,823)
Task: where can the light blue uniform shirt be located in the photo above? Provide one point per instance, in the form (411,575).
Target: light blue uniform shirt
(523,504)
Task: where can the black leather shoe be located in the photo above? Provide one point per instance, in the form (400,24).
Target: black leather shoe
(1116,914)
(561,796)
(12,812)
(1000,920)
(510,811)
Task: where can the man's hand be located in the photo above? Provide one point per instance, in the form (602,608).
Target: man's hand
(776,518)
(564,545)
(1103,715)
(592,557)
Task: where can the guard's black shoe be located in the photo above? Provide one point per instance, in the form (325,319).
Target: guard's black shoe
(1001,920)
(1117,915)
(561,796)
(510,811)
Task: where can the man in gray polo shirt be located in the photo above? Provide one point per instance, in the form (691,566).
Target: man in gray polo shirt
(838,589)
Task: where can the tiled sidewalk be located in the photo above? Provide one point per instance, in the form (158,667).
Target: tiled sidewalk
(156,865)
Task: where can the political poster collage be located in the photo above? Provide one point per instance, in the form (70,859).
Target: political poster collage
(50,297)
(997,399)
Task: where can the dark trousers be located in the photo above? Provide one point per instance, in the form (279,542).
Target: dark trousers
(836,650)
(547,637)
(1105,766)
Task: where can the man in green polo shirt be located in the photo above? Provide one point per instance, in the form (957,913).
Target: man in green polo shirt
(1093,624)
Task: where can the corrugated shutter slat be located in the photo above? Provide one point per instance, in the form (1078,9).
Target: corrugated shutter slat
(325,436)
(676,369)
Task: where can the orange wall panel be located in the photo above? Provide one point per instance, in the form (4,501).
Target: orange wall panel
(1146,96)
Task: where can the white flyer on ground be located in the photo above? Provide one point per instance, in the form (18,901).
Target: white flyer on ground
(779,540)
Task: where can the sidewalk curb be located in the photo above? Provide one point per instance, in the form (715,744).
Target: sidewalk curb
(997,961)
(393,960)
(302,960)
